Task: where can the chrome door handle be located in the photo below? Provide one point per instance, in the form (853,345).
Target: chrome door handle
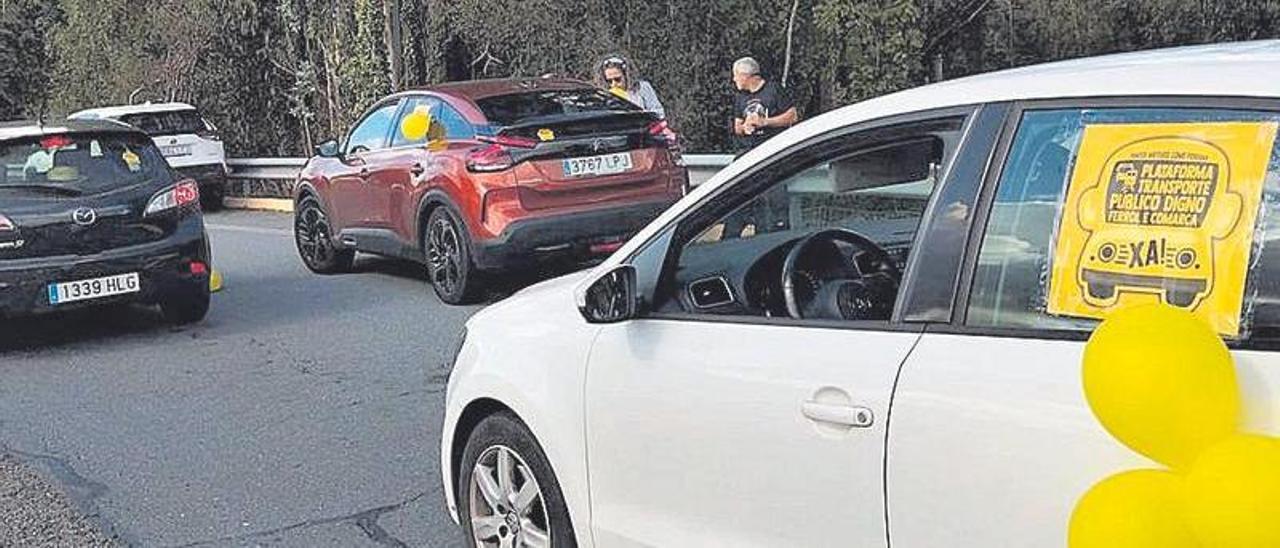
(847,415)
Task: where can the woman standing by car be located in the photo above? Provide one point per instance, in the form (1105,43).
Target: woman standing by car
(616,74)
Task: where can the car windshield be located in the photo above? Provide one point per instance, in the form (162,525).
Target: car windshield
(79,163)
(173,122)
(509,110)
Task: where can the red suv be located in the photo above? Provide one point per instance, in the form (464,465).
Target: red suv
(512,171)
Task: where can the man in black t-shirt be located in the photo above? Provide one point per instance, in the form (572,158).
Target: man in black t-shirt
(761,108)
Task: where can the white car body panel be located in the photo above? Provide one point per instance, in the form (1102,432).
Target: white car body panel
(1021,445)
(696,435)
(181,150)
(990,441)
(541,334)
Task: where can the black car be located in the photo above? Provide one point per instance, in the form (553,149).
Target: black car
(90,213)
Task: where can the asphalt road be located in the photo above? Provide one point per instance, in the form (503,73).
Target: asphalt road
(304,411)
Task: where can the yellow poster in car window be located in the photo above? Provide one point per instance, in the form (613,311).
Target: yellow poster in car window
(1161,212)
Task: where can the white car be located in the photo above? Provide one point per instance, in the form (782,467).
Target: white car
(842,339)
(189,142)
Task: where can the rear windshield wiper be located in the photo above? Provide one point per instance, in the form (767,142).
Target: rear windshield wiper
(55,188)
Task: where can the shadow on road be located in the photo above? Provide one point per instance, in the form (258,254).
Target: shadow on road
(497,286)
(80,325)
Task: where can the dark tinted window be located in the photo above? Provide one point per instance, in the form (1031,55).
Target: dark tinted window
(506,110)
(79,164)
(166,123)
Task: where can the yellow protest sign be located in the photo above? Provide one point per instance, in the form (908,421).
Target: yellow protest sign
(1161,212)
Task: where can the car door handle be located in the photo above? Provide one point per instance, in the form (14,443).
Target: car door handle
(847,415)
(417,169)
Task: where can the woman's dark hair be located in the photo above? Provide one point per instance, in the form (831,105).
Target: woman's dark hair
(620,62)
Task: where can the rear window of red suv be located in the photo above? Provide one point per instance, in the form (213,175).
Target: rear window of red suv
(512,109)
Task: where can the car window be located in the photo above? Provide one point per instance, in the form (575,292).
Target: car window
(78,164)
(512,109)
(855,201)
(1099,208)
(172,122)
(372,132)
(455,125)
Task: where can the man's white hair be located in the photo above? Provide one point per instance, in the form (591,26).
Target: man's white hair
(747,65)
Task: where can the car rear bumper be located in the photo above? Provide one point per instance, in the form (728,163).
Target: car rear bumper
(207,175)
(574,236)
(163,269)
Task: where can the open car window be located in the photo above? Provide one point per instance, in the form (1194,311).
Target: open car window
(835,221)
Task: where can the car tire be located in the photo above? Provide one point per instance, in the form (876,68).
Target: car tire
(514,515)
(313,237)
(211,196)
(185,308)
(447,249)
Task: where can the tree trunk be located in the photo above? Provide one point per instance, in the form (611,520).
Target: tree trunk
(391,14)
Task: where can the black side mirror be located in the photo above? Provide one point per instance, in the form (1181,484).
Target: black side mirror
(611,298)
(329,149)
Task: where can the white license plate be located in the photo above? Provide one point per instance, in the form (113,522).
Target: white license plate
(170,151)
(95,288)
(607,164)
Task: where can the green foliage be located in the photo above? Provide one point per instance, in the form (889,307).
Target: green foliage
(25,64)
(278,76)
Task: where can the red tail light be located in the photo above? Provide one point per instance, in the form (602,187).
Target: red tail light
(179,196)
(495,155)
(55,141)
(509,141)
(662,130)
(198,268)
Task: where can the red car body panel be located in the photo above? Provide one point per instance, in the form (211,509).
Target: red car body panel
(377,200)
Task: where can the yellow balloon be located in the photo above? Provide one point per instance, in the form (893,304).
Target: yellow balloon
(1135,509)
(415,126)
(1233,493)
(1162,382)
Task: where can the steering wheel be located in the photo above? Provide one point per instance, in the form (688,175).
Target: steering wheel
(848,292)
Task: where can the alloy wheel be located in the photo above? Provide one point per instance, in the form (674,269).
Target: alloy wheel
(444,256)
(507,507)
(312,232)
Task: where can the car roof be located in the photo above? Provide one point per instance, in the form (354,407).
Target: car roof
(123,110)
(1239,69)
(27,128)
(480,89)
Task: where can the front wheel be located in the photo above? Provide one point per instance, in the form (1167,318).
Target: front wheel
(507,493)
(448,252)
(314,238)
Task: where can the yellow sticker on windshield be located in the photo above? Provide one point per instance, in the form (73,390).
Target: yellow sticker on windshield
(132,160)
(1161,212)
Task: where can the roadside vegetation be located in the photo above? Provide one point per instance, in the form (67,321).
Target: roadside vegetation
(278,76)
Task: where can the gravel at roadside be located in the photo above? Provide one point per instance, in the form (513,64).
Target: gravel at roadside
(34,513)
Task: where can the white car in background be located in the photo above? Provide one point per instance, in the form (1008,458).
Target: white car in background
(727,378)
(188,141)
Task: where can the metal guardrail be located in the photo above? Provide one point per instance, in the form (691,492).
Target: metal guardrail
(274,177)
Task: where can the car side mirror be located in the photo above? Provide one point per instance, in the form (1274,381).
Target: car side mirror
(611,298)
(329,149)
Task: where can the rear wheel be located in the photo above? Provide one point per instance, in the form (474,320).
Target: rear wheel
(448,252)
(507,493)
(185,308)
(314,238)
